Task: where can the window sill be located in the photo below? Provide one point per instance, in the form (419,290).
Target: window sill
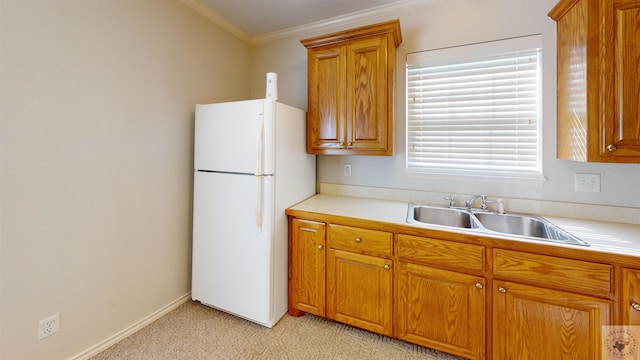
(483,176)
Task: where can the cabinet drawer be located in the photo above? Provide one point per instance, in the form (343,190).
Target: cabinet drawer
(360,240)
(440,252)
(551,271)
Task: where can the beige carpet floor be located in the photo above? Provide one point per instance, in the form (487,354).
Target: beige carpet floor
(195,331)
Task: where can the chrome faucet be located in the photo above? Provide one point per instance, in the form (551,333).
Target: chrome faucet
(474,198)
(452,201)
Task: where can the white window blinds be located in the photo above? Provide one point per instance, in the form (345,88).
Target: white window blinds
(476,108)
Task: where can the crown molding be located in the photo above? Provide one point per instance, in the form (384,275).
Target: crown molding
(387,10)
(216,18)
(375,12)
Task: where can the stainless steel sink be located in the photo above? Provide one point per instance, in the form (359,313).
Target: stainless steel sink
(526,225)
(518,225)
(441,216)
(513,224)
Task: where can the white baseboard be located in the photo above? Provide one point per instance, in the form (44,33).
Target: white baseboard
(94,350)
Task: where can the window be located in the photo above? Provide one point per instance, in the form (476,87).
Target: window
(476,109)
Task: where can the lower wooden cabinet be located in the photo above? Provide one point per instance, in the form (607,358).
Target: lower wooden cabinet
(630,299)
(306,267)
(531,322)
(359,277)
(359,290)
(441,309)
(468,298)
(344,273)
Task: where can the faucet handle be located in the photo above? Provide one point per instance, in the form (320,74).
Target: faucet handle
(452,201)
(484,202)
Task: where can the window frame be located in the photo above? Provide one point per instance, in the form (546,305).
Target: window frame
(467,53)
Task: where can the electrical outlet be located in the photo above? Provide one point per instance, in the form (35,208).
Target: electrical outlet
(347,169)
(48,326)
(587,182)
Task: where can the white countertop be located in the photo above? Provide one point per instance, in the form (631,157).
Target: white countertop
(610,237)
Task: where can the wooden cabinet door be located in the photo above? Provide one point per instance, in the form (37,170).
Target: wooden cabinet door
(441,309)
(367,87)
(598,80)
(622,80)
(359,290)
(326,128)
(351,90)
(630,298)
(536,323)
(306,268)
(575,110)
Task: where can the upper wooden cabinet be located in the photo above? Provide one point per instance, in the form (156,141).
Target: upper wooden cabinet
(351,90)
(598,80)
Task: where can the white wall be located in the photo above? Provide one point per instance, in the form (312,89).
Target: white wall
(442,24)
(96,161)
(96,126)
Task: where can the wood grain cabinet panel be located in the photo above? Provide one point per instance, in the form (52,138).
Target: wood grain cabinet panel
(598,80)
(359,277)
(441,309)
(351,90)
(536,323)
(359,290)
(307,267)
(630,299)
(443,253)
(326,121)
(585,277)
(366,241)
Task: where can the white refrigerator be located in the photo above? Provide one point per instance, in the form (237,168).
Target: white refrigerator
(250,164)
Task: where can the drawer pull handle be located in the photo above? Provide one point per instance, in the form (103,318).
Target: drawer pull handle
(479,286)
(386,267)
(502,290)
(611,148)
(358,240)
(319,247)
(635,306)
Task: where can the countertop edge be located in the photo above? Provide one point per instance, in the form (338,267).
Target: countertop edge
(603,237)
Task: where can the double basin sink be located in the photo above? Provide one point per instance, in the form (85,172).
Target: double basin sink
(517,225)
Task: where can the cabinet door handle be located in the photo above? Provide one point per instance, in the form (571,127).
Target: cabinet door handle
(502,290)
(386,267)
(635,306)
(611,148)
(320,247)
(349,145)
(479,285)
(358,240)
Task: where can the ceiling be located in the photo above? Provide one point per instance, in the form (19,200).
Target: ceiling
(259,17)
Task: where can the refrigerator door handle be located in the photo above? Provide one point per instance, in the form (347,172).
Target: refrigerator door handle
(260,148)
(259,206)
(259,175)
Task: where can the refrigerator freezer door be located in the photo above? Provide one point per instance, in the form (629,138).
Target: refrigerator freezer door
(235,137)
(232,260)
